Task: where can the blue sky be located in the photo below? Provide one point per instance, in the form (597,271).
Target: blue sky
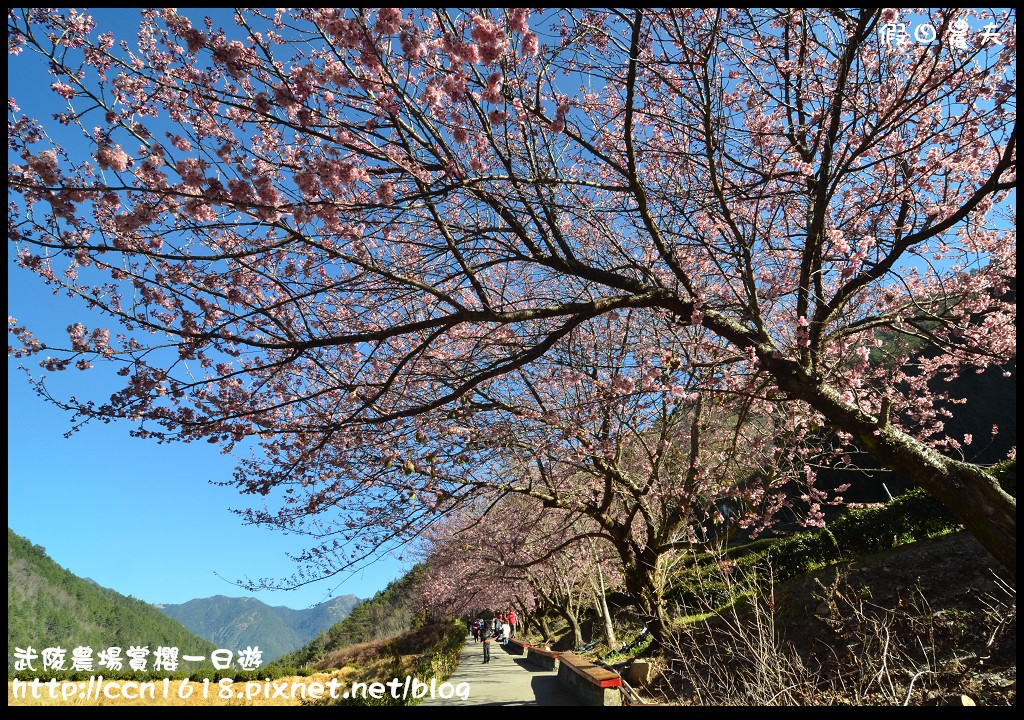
(134,516)
(138,517)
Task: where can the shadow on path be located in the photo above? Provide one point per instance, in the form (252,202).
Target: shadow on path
(505,680)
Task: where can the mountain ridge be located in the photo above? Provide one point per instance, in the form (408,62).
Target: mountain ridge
(237,622)
(49,606)
(390,612)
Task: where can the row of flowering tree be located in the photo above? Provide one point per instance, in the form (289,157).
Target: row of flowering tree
(632,265)
(654,456)
(516,554)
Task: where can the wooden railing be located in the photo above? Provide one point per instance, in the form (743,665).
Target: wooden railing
(516,647)
(544,658)
(592,684)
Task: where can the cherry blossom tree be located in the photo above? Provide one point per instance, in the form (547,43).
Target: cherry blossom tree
(469,561)
(516,553)
(325,229)
(655,454)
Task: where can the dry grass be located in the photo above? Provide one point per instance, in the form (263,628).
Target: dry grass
(358,654)
(923,625)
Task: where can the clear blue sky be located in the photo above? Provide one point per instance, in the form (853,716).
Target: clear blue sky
(134,516)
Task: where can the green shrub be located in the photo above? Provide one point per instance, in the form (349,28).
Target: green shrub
(914,515)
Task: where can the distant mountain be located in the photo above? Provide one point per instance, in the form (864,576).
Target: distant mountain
(48,606)
(390,612)
(237,622)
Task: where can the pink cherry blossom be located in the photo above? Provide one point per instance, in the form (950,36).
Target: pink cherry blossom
(402,268)
(112,157)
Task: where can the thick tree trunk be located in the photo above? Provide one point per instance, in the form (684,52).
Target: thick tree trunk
(574,625)
(656,614)
(971,494)
(545,628)
(648,595)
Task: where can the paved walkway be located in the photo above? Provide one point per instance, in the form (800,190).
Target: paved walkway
(505,680)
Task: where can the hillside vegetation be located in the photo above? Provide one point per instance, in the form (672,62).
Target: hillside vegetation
(390,612)
(48,606)
(386,636)
(237,622)
(926,623)
(887,605)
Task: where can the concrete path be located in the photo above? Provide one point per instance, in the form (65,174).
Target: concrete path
(505,680)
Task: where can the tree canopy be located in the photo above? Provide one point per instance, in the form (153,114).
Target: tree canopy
(353,236)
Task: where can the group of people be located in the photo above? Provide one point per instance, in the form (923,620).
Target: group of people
(501,626)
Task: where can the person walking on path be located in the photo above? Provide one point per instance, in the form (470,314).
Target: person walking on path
(512,623)
(505,630)
(486,634)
